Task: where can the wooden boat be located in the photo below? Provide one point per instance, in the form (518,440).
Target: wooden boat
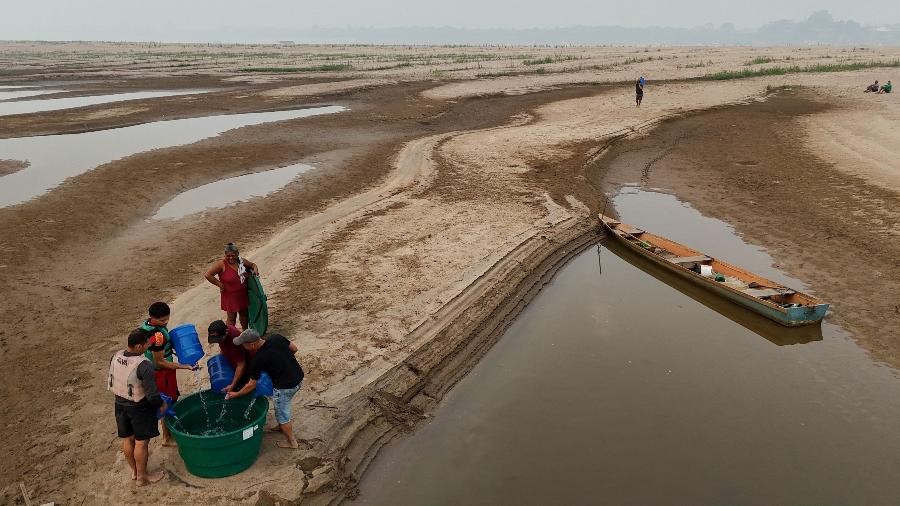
(775,333)
(756,293)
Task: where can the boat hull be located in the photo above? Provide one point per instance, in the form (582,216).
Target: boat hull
(789,317)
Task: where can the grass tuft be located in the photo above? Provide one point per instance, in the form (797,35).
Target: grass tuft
(759,60)
(538,61)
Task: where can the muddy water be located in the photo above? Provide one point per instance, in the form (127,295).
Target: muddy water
(229,191)
(55,104)
(615,387)
(55,158)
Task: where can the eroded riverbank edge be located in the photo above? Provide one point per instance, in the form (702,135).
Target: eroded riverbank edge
(442,353)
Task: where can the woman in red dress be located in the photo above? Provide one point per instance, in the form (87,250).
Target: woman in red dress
(232,271)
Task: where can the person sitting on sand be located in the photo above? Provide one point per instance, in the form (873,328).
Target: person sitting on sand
(886,88)
(872,87)
(275,357)
(232,272)
(132,378)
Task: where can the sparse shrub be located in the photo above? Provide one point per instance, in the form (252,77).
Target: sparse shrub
(759,60)
(538,61)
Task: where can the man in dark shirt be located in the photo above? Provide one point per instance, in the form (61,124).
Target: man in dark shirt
(223,334)
(639,91)
(274,356)
(132,378)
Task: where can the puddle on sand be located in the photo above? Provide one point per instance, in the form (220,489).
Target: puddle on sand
(54,158)
(614,388)
(55,104)
(229,191)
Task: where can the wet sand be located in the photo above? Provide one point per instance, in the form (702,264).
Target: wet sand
(8,167)
(430,220)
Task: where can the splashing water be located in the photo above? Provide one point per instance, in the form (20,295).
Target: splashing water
(249,407)
(223,413)
(202,396)
(177,423)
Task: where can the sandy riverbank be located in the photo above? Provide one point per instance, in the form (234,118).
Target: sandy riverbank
(435,214)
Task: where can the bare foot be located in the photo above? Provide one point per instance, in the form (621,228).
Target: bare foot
(133,475)
(287,445)
(152,478)
(168,443)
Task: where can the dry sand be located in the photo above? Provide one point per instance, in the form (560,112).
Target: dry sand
(437,211)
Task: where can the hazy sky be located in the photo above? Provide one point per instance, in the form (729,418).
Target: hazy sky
(208,19)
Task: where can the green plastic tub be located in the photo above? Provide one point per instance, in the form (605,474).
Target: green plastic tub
(218,440)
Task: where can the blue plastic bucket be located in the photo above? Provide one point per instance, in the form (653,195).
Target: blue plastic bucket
(220,372)
(264,386)
(187,343)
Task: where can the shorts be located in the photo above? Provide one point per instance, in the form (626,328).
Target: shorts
(282,398)
(138,420)
(167,383)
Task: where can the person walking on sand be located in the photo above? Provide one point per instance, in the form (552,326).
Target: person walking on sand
(275,357)
(160,354)
(232,271)
(639,91)
(133,381)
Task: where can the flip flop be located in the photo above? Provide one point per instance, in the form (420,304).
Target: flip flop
(285,445)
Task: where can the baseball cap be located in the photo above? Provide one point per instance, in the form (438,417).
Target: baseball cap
(247,336)
(217,331)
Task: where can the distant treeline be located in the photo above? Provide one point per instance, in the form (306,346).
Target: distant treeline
(820,28)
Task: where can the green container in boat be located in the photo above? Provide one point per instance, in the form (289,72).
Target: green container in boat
(218,440)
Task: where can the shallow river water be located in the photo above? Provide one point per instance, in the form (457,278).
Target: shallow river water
(228,191)
(54,158)
(56,104)
(614,386)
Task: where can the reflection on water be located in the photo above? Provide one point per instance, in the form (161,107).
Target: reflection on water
(614,388)
(54,158)
(228,191)
(665,215)
(775,333)
(54,104)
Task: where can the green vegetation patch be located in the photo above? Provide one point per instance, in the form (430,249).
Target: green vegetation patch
(538,61)
(796,69)
(759,60)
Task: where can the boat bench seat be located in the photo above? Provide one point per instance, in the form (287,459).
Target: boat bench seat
(690,260)
(763,293)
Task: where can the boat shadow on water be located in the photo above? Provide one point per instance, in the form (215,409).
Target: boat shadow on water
(771,331)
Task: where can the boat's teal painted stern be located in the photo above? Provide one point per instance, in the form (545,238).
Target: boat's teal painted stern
(805,315)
